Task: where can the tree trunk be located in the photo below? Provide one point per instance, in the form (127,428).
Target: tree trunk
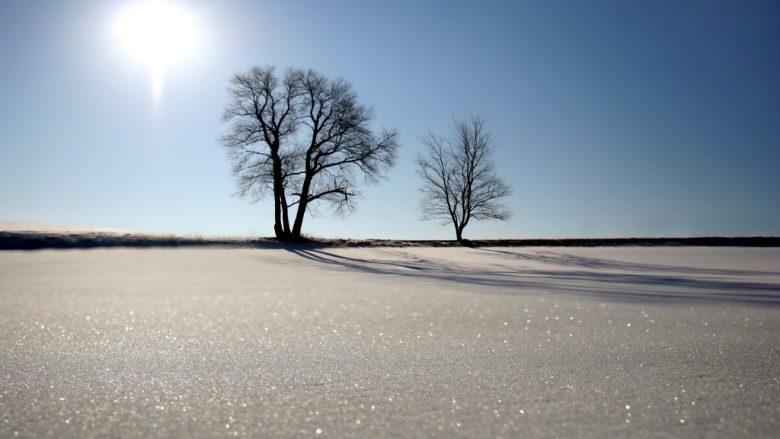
(278,230)
(459,231)
(302,204)
(281,228)
(298,224)
(285,216)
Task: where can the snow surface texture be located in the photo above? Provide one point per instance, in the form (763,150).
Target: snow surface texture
(404,342)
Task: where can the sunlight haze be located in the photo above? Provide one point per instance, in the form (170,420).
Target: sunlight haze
(156,34)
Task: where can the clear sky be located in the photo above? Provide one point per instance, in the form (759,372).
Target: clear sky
(610,118)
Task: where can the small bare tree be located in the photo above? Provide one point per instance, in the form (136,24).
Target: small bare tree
(459,180)
(305,137)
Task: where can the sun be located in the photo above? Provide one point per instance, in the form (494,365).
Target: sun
(157,34)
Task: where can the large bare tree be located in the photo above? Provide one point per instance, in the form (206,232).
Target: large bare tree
(459,180)
(306,138)
(262,111)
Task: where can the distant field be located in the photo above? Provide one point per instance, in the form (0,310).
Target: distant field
(30,240)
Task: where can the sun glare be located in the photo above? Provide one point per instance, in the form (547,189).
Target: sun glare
(156,34)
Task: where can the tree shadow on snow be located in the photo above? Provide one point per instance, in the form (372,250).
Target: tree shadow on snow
(573,274)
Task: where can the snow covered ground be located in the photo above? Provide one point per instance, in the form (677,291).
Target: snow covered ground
(404,342)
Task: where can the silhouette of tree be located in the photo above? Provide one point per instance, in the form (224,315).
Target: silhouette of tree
(306,138)
(459,180)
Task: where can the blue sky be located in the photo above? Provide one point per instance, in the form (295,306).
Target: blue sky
(609,118)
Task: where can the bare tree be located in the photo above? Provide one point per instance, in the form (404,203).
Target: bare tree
(459,180)
(304,136)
